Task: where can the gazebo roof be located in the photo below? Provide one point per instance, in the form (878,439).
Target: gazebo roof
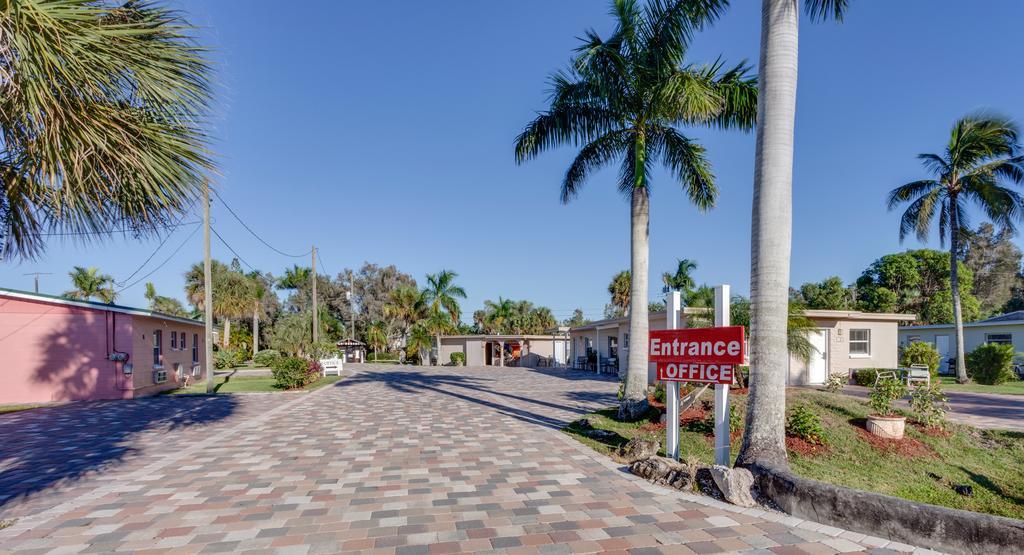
(350,343)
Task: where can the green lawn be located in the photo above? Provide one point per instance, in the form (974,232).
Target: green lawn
(247,384)
(4,409)
(1008,388)
(992,462)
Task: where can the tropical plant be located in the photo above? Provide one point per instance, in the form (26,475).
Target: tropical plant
(805,424)
(266,357)
(458,358)
(89,284)
(294,372)
(295,277)
(619,289)
(884,393)
(102,119)
(982,155)
(165,305)
(836,382)
(929,404)
(404,307)
(771,230)
(682,279)
(440,296)
(233,293)
(991,364)
(377,337)
(419,343)
(624,98)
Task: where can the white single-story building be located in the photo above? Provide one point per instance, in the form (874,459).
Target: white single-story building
(1005,328)
(529,350)
(845,340)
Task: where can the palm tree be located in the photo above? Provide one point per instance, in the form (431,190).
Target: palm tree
(102,120)
(232,293)
(166,305)
(89,283)
(682,280)
(441,296)
(772,227)
(620,290)
(405,306)
(983,153)
(623,99)
(377,337)
(419,342)
(294,277)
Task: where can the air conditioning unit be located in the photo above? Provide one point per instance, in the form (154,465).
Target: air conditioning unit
(159,376)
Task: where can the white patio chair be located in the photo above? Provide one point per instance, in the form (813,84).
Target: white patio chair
(919,373)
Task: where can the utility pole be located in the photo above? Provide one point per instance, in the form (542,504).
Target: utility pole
(316,308)
(36,275)
(207,289)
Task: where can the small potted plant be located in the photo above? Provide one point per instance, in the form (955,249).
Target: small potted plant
(885,421)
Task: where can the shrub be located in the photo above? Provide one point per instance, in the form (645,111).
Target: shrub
(381,357)
(991,364)
(884,394)
(921,353)
(865,376)
(323,349)
(660,393)
(835,383)
(266,357)
(735,420)
(294,372)
(228,358)
(928,404)
(805,424)
(458,359)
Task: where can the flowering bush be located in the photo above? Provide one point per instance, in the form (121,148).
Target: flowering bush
(295,372)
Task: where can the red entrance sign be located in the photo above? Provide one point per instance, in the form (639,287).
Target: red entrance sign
(697,354)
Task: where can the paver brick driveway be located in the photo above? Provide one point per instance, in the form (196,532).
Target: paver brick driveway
(389,460)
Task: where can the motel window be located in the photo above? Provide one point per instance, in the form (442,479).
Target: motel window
(588,345)
(999,338)
(860,342)
(613,347)
(174,341)
(158,344)
(182,345)
(195,348)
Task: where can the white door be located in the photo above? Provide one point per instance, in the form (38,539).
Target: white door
(817,370)
(560,352)
(942,346)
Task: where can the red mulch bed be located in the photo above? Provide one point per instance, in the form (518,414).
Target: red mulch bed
(692,414)
(804,448)
(907,447)
(933,431)
(655,403)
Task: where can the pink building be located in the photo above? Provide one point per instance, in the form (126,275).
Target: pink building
(55,349)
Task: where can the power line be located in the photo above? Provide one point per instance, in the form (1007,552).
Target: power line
(239,257)
(113,231)
(157,249)
(161,265)
(249,229)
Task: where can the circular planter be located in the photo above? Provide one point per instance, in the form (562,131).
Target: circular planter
(889,427)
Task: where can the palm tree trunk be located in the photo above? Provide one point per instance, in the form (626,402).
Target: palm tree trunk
(634,399)
(438,361)
(954,283)
(771,236)
(226,342)
(255,330)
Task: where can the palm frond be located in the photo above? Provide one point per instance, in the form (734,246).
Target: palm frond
(821,10)
(688,163)
(102,120)
(563,125)
(909,191)
(918,216)
(934,164)
(593,156)
(978,138)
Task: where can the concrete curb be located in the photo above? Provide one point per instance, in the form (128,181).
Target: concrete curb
(950,530)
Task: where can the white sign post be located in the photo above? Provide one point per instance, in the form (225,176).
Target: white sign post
(673,306)
(722,454)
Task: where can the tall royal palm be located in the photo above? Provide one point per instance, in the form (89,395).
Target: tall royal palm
(624,99)
(89,284)
(441,297)
(771,230)
(981,156)
(102,119)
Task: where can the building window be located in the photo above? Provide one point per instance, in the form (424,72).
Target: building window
(158,348)
(182,345)
(195,348)
(613,346)
(914,339)
(588,345)
(159,376)
(179,372)
(999,338)
(860,342)
(174,341)
(195,371)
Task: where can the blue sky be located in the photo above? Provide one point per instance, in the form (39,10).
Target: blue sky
(382,131)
